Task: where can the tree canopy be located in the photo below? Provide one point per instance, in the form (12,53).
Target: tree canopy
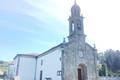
(112,59)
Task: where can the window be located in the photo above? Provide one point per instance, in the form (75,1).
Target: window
(60,58)
(41,75)
(73,26)
(41,62)
(59,73)
(48,78)
(14,69)
(78,26)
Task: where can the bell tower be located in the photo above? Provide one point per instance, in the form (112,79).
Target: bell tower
(76,29)
(78,57)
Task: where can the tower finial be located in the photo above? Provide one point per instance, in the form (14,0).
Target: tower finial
(74,1)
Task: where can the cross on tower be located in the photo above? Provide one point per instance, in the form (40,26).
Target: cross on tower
(75,1)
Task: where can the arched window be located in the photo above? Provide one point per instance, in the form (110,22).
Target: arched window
(78,26)
(73,26)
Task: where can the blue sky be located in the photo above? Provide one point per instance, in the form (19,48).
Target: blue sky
(23,33)
(34,26)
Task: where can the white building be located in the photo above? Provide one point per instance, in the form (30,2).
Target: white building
(10,70)
(72,60)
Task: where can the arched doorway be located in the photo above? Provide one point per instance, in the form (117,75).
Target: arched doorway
(82,72)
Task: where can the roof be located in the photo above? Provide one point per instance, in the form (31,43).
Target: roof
(11,62)
(33,55)
(91,46)
(53,48)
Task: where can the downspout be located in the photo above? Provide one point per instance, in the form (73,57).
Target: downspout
(62,63)
(35,68)
(95,51)
(18,65)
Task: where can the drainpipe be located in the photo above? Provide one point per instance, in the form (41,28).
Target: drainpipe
(35,68)
(62,61)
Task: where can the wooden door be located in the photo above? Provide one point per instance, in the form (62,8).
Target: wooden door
(79,74)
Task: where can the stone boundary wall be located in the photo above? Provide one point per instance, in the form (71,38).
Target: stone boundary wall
(109,78)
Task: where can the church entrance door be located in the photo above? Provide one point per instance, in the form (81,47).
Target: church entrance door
(82,72)
(79,74)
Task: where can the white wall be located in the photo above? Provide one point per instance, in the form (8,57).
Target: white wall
(10,71)
(51,64)
(27,68)
(15,66)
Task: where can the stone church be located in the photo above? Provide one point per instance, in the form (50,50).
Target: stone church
(72,60)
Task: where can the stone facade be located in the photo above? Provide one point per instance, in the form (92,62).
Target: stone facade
(79,58)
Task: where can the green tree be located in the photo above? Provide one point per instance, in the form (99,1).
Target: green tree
(102,71)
